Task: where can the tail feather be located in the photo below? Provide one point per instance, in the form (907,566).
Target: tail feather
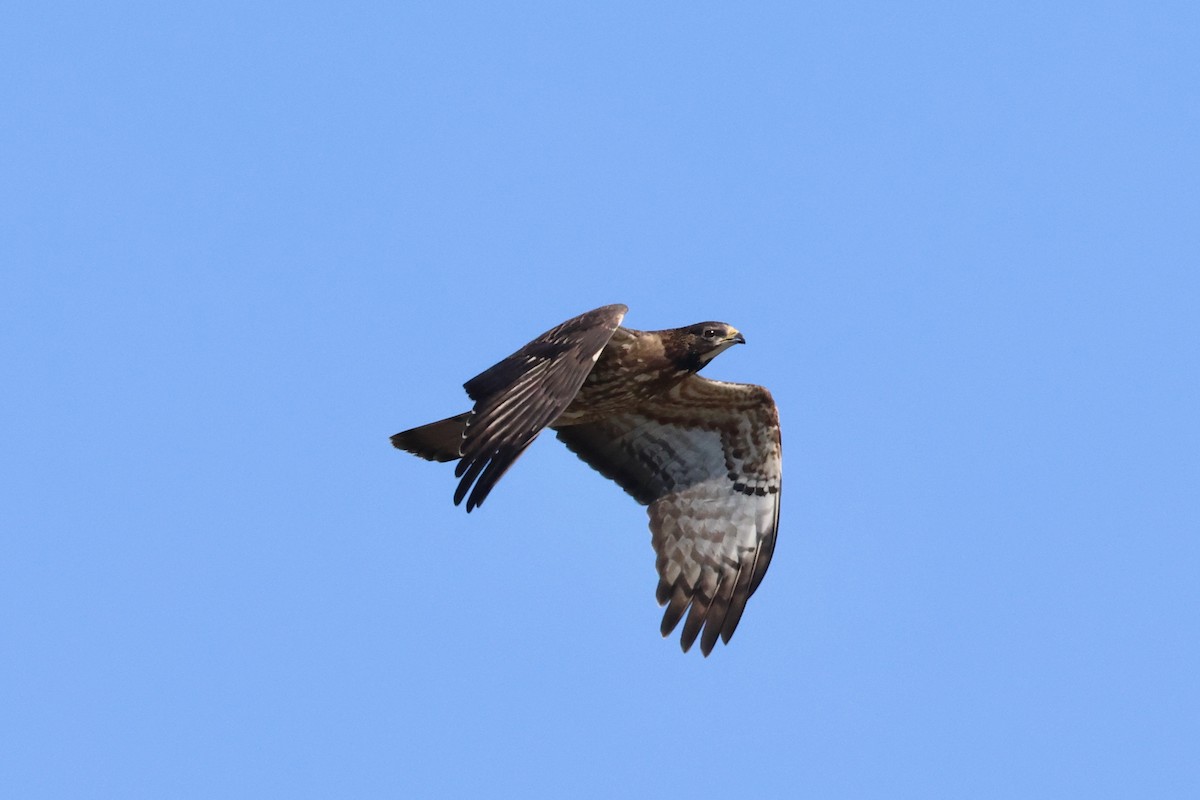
(437,441)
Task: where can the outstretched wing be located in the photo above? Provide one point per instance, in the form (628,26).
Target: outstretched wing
(522,394)
(707,460)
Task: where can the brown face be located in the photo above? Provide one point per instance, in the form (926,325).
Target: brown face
(707,339)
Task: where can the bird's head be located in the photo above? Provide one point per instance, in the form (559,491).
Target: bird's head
(703,341)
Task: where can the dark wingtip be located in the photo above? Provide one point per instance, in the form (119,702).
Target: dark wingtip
(673,613)
(691,626)
(468,472)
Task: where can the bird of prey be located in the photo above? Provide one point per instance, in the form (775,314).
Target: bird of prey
(703,455)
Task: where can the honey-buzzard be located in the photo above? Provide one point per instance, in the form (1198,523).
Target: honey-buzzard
(703,455)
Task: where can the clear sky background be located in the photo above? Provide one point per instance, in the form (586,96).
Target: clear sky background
(243,243)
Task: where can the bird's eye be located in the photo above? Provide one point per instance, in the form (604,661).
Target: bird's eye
(711,333)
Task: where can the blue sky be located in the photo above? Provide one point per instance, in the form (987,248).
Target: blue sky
(245,243)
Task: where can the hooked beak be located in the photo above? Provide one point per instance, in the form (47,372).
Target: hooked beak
(736,338)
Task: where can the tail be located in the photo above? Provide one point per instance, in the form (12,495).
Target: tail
(437,441)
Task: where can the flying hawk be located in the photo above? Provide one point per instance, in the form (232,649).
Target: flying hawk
(704,455)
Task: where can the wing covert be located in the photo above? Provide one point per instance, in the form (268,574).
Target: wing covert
(516,398)
(707,460)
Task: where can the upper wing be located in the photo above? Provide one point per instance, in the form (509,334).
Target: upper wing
(522,394)
(707,460)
